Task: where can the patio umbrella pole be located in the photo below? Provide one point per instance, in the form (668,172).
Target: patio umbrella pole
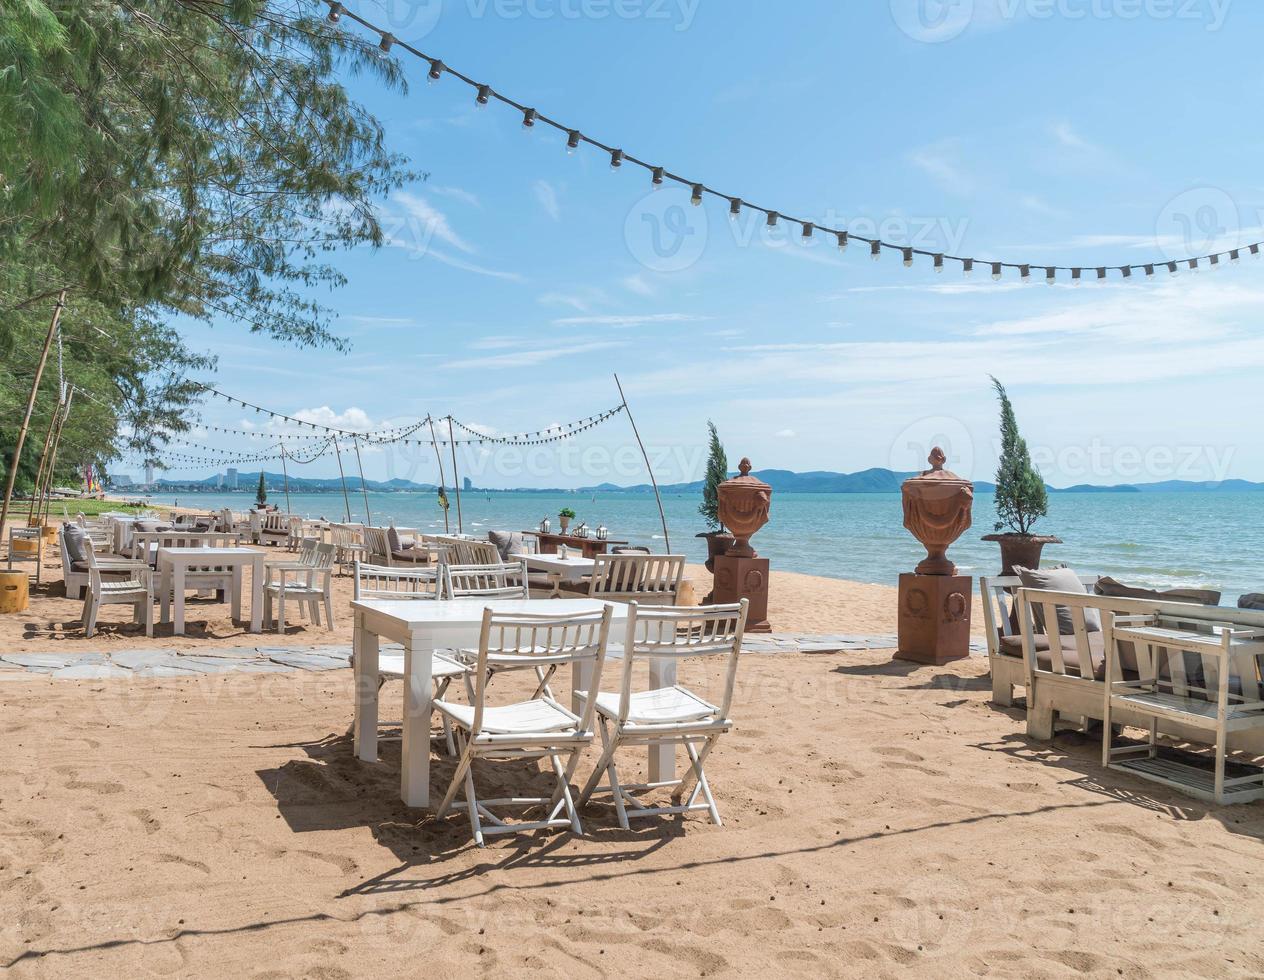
(30,407)
(368,518)
(346,501)
(456,479)
(285,475)
(447,528)
(644,455)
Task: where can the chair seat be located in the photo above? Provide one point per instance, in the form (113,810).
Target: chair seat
(666,705)
(523,718)
(291,589)
(391,666)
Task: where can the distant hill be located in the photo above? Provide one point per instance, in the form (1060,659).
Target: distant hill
(876,480)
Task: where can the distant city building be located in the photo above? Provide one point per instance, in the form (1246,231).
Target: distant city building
(467,484)
(120,480)
(149,473)
(230,479)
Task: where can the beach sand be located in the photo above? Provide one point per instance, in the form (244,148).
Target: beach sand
(881,819)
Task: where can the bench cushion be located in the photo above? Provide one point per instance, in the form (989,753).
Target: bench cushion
(507,543)
(1013,646)
(1059,580)
(78,544)
(1253,600)
(1108,586)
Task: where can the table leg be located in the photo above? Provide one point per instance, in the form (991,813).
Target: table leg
(415,761)
(662,757)
(177,593)
(256,596)
(164,593)
(555,580)
(365,645)
(237,593)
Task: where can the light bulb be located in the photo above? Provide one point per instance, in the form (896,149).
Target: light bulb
(528,119)
(1235,257)
(772,219)
(335,12)
(1075,277)
(939,263)
(996,272)
(875,250)
(1025,272)
(1171,268)
(735,208)
(842,241)
(572,142)
(808,228)
(908,258)
(1215,262)
(435,73)
(1193,266)
(616,159)
(696,197)
(967,267)
(1101,273)
(484,95)
(658,177)
(1051,275)
(388,40)
(1149,271)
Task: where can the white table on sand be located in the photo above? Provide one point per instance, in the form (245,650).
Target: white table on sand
(573,568)
(422,627)
(174,563)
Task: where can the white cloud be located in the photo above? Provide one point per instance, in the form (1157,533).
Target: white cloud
(784,434)
(581,299)
(455,194)
(1066,135)
(642,320)
(428,222)
(546,195)
(637,284)
(530,358)
(941,161)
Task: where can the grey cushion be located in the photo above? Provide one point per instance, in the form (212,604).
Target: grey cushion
(1111,587)
(148,526)
(507,543)
(78,544)
(1058,580)
(1253,600)
(392,540)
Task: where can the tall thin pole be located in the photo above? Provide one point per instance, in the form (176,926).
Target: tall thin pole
(39,478)
(285,475)
(346,501)
(646,456)
(63,415)
(368,518)
(456,479)
(447,528)
(30,407)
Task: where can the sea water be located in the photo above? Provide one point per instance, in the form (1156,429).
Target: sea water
(1199,539)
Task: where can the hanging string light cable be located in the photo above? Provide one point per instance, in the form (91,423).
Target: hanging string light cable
(619,158)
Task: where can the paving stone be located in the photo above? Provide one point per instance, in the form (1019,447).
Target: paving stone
(163,670)
(308,661)
(135,659)
(204,665)
(262,667)
(229,653)
(92,672)
(52,661)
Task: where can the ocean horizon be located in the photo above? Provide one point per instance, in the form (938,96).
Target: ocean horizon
(1197,539)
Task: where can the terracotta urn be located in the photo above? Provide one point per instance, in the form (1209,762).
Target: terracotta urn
(937,512)
(744,505)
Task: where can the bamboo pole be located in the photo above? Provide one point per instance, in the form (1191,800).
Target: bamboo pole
(368,518)
(30,407)
(346,501)
(646,456)
(39,477)
(456,479)
(447,528)
(64,414)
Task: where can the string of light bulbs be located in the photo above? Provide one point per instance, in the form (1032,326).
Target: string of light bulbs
(485,94)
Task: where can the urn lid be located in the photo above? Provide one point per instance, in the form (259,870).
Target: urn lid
(937,476)
(746,480)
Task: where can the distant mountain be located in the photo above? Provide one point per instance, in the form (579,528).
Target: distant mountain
(876,480)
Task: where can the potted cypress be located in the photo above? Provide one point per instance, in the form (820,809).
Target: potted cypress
(1021,498)
(718,540)
(261,494)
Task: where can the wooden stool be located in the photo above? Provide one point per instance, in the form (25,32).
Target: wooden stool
(15,592)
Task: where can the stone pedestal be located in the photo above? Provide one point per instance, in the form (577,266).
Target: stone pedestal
(744,578)
(934,619)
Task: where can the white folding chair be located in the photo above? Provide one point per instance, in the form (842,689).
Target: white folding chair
(133,586)
(671,715)
(540,728)
(409,584)
(310,585)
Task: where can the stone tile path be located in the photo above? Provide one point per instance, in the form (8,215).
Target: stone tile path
(121,664)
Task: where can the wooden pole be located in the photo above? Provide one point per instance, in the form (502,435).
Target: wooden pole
(285,475)
(346,501)
(646,456)
(63,413)
(368,518)
(30,407)
(447,528)
(39,478)
(456,479)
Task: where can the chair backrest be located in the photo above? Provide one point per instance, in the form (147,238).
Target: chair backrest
(381,582)
(651,579)
(683,633)
(465,551)
(491,581)
(323,557)
(1000,616)
(133,579)
(376,545)
(142,541)
(276,523)
(517,641)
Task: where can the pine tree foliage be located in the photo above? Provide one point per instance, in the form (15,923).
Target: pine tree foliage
(1021,498)
(717,473)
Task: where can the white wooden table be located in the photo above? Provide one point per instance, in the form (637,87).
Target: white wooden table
(422,627)
(559,569)
(173,563)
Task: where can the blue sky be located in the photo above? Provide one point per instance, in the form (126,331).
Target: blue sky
(1069,131)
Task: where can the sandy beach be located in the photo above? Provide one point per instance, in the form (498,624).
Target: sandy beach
(881,819)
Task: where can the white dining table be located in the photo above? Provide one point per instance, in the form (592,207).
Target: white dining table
(421,626)
(573,568)
(174,563)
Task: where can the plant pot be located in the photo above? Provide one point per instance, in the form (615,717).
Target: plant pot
(564,523)
(1022,550)
(718,543)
